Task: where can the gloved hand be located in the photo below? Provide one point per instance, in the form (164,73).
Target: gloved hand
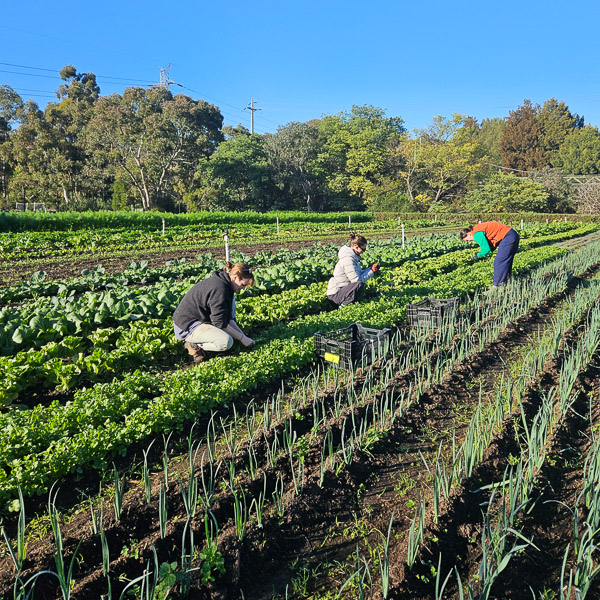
(375,268)
(477,257)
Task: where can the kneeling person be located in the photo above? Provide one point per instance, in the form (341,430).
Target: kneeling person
(348,277)
(205,317)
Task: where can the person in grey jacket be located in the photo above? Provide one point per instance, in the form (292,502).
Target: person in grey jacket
(205,317)
(348,277)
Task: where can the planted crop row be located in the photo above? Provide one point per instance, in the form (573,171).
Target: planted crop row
(256,509)
(271,268)
(62,243)
(48,442)
(48,319)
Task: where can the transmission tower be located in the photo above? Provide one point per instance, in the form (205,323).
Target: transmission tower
(165,81)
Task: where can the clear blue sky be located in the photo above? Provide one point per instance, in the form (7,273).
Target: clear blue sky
(301,60)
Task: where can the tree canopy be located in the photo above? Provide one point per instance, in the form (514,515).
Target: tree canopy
(151,148)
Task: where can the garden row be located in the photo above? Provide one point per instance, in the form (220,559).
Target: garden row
(272,462)
(98,352)
(38,244)
(51,441)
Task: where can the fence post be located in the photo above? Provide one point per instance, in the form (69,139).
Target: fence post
(521,223)
(226,238)
(277,224)
(403,234)
(163,229)
(349,221)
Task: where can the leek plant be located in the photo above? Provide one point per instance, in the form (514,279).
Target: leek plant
(415,533)
(119,492)
(384,561)
(209,482)
(162,510)
(104,545)
(64,576)
(187,557)
(260,504)
(278,496)
(240,514)
(19,553)
(146,475)
(165,458)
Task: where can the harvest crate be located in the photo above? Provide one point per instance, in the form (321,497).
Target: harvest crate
(430,311)
(352,345)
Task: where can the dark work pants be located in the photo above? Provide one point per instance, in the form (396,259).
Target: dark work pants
(504,257)
(349,293)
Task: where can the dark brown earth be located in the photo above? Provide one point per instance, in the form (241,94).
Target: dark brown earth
(320,528)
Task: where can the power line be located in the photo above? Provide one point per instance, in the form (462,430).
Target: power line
(32,90)
(29,74)
(167,81)
(58,71)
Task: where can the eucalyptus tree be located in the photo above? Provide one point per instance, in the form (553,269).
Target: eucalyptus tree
(152,139)
(438,162)
(11,105)
(292,152)
(60,139)
(28,179)
(448,157)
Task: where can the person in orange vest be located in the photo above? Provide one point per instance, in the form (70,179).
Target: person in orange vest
(492,235)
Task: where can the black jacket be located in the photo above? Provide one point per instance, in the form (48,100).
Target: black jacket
(209,301)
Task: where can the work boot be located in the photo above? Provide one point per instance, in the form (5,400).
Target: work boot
(195,351)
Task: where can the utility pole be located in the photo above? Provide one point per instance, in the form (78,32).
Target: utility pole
(252,109)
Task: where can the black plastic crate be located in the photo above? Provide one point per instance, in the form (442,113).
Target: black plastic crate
(351,346)
(431,311)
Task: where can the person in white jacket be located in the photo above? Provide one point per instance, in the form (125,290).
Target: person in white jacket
(348,277)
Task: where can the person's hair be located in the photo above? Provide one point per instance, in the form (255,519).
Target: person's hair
(357,240)
(241,270)
(465,232)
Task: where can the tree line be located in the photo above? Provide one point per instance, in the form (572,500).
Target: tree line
(149,148)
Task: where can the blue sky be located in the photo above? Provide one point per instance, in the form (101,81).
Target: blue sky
(305,59)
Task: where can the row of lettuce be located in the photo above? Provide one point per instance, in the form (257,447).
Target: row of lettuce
(46,443)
